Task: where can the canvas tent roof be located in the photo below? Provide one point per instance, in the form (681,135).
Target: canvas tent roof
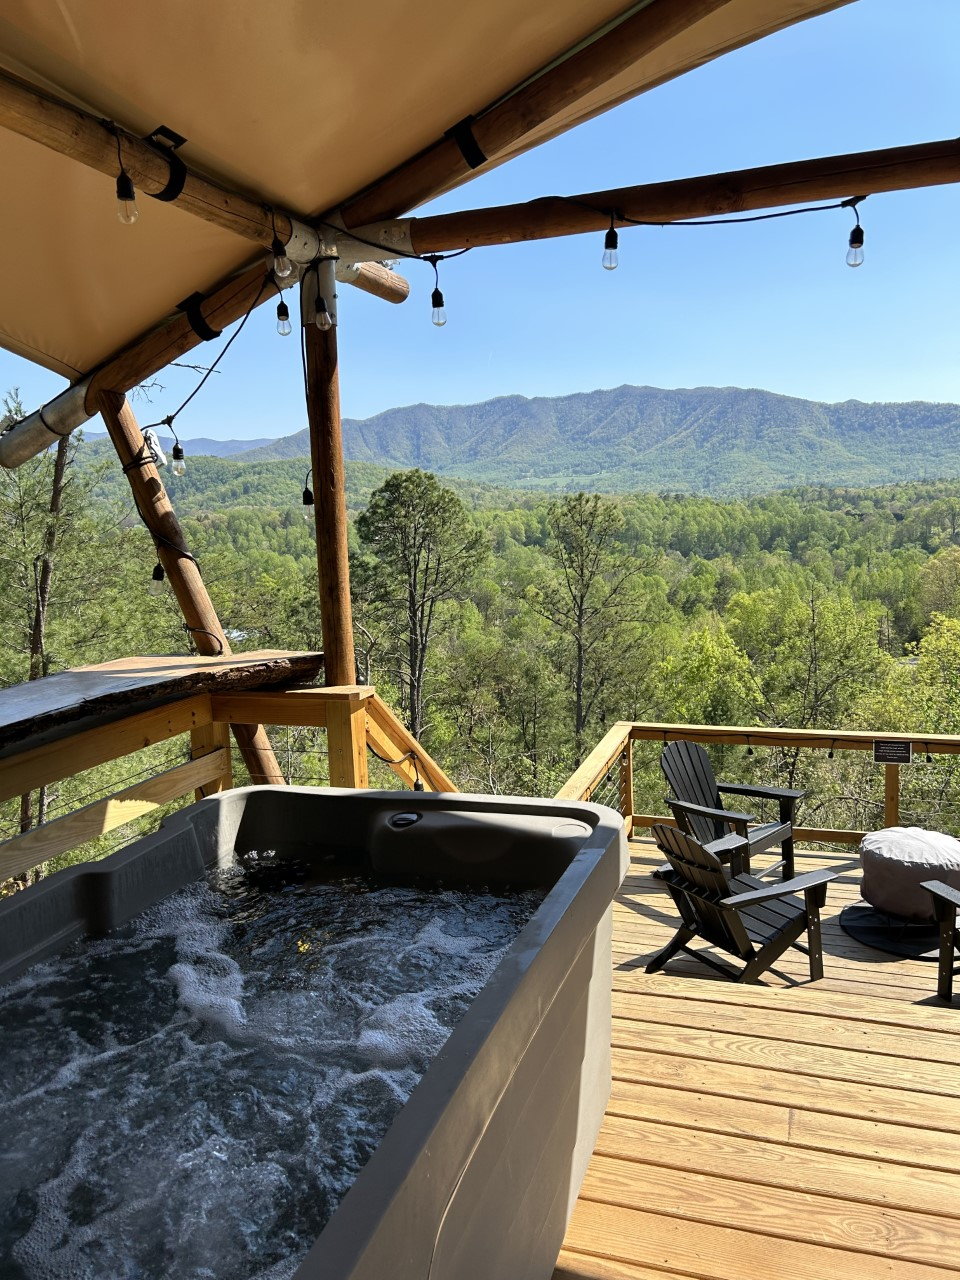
(299,105)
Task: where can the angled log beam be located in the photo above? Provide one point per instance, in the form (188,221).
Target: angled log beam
(99,145)
(155,350)
(774,186)
(514,123)
(181,569)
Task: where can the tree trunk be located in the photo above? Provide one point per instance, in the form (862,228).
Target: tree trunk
(43,583)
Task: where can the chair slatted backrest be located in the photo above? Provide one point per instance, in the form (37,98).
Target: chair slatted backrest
(701,882)
(688,770)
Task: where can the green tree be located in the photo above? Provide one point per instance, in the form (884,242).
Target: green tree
(591,598)
(425,549)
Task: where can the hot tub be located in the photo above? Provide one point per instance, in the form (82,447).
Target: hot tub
(479,1171)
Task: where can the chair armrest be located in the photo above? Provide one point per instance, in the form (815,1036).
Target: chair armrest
(800,884)
(942,891)
(766,793)
(733,848)
(724,815)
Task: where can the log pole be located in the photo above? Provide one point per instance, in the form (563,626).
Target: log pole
(330,505)
(101,145)
(715,195)
(181,570)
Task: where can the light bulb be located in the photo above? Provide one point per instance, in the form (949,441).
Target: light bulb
(179,467)
(309,510)
(127,210)
(284,327)
(324,318)
(855,252)
(282,266)
(439,314)
(611,258)
(156,583)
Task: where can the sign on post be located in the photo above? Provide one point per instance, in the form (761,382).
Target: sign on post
(889,751)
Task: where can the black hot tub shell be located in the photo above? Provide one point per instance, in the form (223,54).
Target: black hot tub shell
(478,1174)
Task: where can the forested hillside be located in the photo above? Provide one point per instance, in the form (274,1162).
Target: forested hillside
(724,441)
(538,621)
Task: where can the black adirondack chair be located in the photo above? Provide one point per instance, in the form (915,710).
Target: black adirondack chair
(946,900)
(698,808)
(738,914)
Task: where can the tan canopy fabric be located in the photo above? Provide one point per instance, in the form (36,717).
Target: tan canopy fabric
(301,105)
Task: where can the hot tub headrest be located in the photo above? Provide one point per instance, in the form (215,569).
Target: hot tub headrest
(462,847)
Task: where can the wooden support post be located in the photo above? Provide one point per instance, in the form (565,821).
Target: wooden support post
(347,743)
(181,569)
(330,505)
(626,785)
(212,737)
(891,795)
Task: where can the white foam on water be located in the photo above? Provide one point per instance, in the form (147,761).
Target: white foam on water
(191,1099)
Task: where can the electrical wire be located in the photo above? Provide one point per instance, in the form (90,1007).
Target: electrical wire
(169,419)
(850,203)
(407,755)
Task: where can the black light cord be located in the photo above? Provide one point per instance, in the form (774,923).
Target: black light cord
(169,419)
(616,216)
(212,634)
(407,755)
(159,538)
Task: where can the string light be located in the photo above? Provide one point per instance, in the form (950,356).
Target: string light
(855,250)
(611,243)
(439,313)
(284,327)
(830,752)
(282,266)
(179,465)
(324,321)
(156,584)
(127,210)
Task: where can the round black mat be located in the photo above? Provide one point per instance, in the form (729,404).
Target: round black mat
(912,939)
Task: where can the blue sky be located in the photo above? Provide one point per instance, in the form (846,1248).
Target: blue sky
(769,305)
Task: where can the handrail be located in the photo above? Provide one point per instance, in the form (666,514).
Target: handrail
(618,743)
(354,716)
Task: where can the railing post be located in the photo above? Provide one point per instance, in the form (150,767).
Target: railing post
(626,786)
(211,737)
(347,742)
(891,795)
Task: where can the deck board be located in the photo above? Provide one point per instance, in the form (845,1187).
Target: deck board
(789,1129)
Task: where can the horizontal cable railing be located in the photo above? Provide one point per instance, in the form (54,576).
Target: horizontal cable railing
(869,787)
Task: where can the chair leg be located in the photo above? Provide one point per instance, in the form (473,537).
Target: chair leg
(814,942)
(786,849)
(676,943)
(947,917)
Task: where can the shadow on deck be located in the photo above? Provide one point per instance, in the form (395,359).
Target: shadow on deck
(793,1129)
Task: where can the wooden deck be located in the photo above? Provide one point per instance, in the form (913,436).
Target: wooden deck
(760,1133)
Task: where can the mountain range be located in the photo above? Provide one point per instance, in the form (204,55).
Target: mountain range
(719,440)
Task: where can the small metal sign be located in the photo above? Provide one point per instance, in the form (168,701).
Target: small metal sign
(888,751)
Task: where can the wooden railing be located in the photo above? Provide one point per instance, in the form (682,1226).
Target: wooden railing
(354,717)
(612,761)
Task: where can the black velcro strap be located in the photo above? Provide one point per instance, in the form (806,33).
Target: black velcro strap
(178,176)
(462,135)
(165,141)
(191,309)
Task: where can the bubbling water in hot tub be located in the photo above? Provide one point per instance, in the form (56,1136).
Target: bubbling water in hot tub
(194,1096)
